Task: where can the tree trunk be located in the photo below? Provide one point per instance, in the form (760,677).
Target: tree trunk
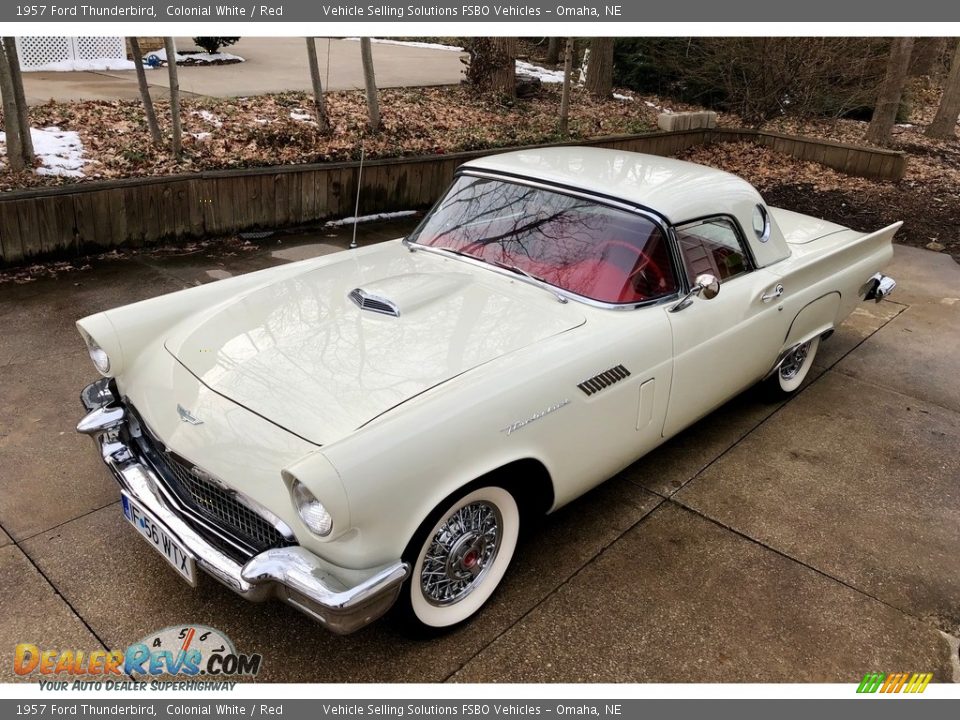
(370,82)
(944,125)
(503,80)
(565,96)
(553,50)
(323,121)
(10,117)
(177,143)
(600,68)
(23,114)
(148,110)
(888,102)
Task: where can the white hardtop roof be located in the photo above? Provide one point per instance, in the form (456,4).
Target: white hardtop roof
(676,189)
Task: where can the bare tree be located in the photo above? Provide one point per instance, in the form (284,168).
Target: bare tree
(565,96)
(323,120)
(23,114)
(503,79)
(891,90)
(553,50)
(944,124)
(600,68)
(177,143)
(148,110)
(10,115)
(370,82)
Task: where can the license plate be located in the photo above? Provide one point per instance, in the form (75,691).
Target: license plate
(155,534)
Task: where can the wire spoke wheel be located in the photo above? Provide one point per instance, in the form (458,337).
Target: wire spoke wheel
(463,556)
(792,371)
(461,552)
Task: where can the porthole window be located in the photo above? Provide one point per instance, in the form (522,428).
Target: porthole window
(761,223)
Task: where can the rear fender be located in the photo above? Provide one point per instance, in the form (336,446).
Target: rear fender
(813,320)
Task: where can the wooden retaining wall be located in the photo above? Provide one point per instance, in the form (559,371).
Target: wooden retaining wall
(72,219)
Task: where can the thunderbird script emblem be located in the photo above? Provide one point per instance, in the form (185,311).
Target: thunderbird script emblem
(187,416)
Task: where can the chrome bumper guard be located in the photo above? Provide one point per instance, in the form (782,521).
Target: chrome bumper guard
(292,574)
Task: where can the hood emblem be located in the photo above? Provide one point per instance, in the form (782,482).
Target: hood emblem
(188,417)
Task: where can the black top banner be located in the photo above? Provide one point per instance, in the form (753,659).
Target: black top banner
(467,11)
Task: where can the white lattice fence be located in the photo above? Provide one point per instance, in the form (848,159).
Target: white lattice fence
(37,52)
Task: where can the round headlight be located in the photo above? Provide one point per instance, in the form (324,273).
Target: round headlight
(312,512)
(101,361)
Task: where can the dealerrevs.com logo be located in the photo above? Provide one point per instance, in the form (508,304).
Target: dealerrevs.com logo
(190,651)
(889,683)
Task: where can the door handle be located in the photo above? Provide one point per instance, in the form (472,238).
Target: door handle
(776,292)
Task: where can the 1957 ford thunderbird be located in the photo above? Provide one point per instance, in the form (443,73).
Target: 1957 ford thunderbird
(373,427)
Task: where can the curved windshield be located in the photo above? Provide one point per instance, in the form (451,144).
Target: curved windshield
(573,243)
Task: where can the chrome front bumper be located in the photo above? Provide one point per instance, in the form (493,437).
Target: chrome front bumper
(292,574)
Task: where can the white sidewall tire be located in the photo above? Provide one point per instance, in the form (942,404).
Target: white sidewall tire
(793,384)
(439,616)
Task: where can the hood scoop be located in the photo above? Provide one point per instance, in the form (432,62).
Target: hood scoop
(373,303)
(402,294)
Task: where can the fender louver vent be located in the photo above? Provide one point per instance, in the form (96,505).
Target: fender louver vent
(372,303)
(604,380)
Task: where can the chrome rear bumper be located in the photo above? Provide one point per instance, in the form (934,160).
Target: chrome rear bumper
(879,286)
(292,574)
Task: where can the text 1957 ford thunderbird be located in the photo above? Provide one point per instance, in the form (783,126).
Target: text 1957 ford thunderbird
(372,427)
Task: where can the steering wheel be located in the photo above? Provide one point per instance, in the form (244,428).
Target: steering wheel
(643,262)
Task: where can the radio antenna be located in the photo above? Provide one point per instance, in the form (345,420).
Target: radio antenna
(356,207)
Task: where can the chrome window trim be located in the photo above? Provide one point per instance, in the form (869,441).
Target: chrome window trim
(737,231)
(657,220)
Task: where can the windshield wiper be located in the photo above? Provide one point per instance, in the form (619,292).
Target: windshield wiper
(540,281)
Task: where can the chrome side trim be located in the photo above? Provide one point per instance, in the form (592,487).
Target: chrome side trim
(291,574)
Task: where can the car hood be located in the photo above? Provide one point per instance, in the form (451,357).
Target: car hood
(302,354)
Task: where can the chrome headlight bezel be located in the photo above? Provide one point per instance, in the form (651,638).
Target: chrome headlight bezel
(98,356)
(312,513)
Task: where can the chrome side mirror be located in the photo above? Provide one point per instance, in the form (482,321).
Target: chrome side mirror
(706,286)
(709,286)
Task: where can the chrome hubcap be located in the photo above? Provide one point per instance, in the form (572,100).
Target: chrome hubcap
(794,361)
(460,553)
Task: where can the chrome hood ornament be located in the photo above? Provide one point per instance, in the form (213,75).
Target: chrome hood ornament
(188,417)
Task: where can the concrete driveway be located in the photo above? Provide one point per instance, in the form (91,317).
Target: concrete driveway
(811,541)
(272,65)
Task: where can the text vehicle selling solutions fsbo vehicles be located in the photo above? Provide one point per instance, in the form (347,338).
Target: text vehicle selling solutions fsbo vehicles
(373,427)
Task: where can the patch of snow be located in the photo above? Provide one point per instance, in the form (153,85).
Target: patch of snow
(161,54)
(411,43)
(83,65)
(547,76)
(199,135)
(60,151)
(652,105)
(208,116)
(298,114)
(262,121)
(369,218)
(625,98)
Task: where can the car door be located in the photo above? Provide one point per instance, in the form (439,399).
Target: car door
(724,344)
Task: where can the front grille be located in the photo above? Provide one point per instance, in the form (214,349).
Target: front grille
(245,530)
(219,505)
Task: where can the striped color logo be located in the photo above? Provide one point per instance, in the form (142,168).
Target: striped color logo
(894,682)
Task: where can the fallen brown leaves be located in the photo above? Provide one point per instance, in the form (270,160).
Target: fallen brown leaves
(278,129)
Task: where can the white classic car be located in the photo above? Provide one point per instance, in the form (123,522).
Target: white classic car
(374,426)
